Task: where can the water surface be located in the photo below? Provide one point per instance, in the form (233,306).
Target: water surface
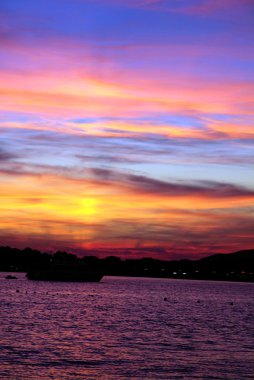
(126,328)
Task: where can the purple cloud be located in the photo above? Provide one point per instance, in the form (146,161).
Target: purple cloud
(147,185)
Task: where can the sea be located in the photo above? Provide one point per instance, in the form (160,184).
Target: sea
(126,328)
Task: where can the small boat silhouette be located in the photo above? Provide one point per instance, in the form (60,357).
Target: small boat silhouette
(62,272)
(10,277)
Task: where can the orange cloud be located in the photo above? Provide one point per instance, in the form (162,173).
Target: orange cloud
(55,85)
(112,209)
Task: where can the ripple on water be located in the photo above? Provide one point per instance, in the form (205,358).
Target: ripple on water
(124,329)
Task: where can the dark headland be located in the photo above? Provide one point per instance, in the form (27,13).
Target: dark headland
(237,266)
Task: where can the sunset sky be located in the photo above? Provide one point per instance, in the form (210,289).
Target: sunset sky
(127,124)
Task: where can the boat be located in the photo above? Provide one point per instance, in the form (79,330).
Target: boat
(10,277)
(74,273)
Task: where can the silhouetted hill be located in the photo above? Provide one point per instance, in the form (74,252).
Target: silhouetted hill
(241,260)
(240,256)
(233,266)
(237,266)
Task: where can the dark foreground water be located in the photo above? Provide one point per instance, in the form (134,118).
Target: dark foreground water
(122,328)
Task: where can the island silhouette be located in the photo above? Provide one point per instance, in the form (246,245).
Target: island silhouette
(237,266)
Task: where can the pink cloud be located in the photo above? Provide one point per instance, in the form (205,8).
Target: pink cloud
(198,7)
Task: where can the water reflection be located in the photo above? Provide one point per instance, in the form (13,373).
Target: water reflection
(123,328)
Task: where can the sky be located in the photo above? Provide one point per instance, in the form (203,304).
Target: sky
(126,126)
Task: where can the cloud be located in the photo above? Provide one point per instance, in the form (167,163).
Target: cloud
(146,185)
(117,136)
(100,207)
(111,159)
(210,7)
(178,238)
(6,156)
(193,7)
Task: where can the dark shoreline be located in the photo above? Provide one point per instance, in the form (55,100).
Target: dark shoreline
(222,279)
(236,267)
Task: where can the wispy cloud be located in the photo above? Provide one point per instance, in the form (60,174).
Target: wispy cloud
(198,7)
(120,129)
(146,185)
(6,156)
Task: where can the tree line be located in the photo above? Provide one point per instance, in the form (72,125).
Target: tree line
(237,266)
